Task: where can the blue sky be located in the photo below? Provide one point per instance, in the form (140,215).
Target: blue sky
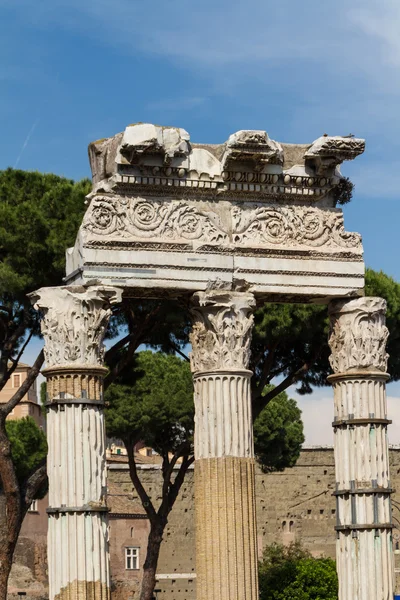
(73,71)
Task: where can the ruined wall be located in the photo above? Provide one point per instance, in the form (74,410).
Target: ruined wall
(294,504)
(29,571)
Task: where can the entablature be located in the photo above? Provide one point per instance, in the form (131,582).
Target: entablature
(169,216)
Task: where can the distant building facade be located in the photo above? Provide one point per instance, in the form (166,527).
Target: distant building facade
(29,405)
(296,504)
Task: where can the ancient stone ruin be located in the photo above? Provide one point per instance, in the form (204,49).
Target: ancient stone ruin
(226,227)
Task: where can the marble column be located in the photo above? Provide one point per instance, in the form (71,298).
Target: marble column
(226,553)
(364,530)
(73,326)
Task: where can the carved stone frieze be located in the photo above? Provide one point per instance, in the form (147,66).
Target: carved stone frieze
(358,335)
(245,224)
(221,334)
(74,322)
(291,226)
(231,207)
(147,219)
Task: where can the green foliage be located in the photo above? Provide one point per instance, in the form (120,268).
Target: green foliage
(288,337)
(39,218)
(379,284)
(291,573)
(343,192)
(278,433)
(153,402)
(316,579)
(28,447)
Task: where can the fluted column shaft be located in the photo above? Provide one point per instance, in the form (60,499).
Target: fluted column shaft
(73,326)
(364,530)
(226,552)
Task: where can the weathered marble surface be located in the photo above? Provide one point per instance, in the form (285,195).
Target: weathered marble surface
(223,446)
(74,321)
(169,216)
(363,486)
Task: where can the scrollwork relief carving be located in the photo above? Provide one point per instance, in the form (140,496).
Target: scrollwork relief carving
(74,322)
(358,335)
(221,334)
(246,225)
(142,218)
(291,226)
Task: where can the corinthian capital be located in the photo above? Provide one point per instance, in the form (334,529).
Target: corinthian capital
(221,334)
(74,322)
(358,335)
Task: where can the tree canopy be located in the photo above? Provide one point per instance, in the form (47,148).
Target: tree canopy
(39,217)
(28,448)
(291,573)
(153,403)
(278,433)
(290,341)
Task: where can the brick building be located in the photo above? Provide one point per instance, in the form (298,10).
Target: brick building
(295,504)
(29,405)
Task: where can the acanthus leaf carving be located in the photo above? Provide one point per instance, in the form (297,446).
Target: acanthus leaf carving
(342,148)
(327,152)
(358,335)
(221,333)
(74,322)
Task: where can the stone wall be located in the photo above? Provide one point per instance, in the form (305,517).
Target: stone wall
(294,504)
(29,572)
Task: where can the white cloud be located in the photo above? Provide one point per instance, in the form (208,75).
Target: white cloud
(381,20)
(313,44)
(338,63)
(213,34)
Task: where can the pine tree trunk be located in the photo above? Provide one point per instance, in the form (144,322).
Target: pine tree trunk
(6,559)
(11,513)
(150,564)
(10,525)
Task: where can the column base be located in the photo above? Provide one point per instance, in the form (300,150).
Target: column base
(84,590)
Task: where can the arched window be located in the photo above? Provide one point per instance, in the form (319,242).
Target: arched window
(283,526)
(291,526)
